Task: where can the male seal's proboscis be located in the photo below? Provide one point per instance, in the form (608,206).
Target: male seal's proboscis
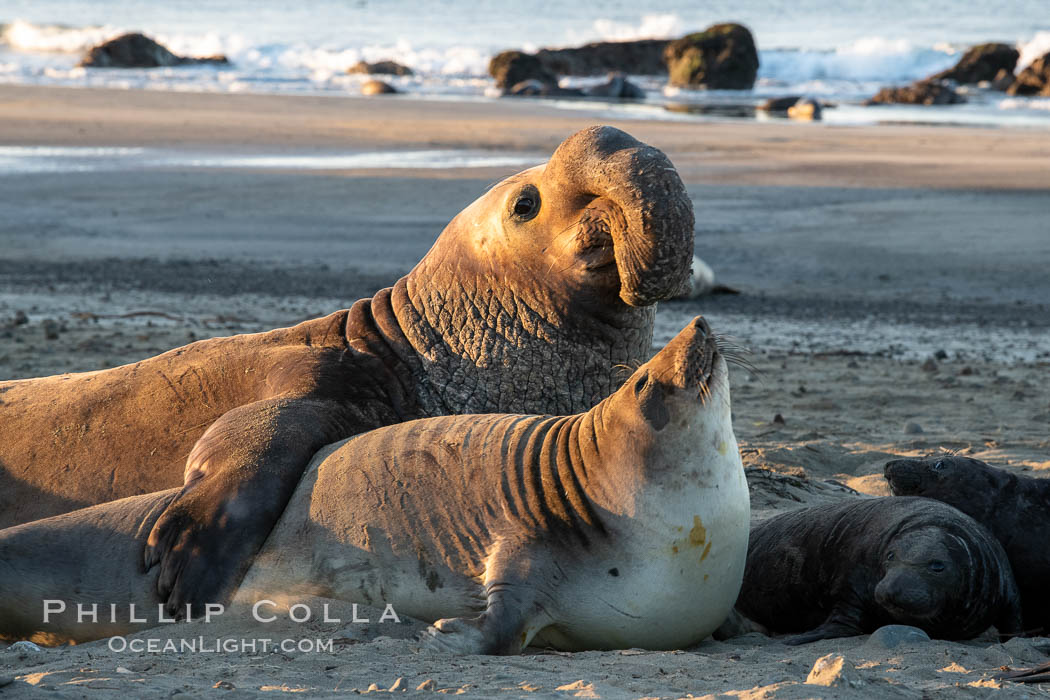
(847,568)
(1014,507)
(529,302)
(625,526)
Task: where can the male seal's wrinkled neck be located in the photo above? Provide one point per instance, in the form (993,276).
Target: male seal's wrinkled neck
(536,296)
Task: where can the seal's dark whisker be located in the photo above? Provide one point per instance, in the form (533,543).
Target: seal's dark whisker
(733,359)
(626,369)
(724,341)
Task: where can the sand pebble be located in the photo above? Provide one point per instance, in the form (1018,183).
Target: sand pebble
(833,671)
(583,690)
(892,636)
(24,647)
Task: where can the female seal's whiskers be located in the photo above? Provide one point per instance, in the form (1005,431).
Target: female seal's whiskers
(736,354)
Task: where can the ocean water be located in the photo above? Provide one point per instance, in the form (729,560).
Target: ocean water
(841,51)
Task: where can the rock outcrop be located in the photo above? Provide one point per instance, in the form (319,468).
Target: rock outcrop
(377,87)
(642,57)
(980,63)
(379,68)
(1033,80)
(139,51)
(510,68)
(722,57)
(923,92)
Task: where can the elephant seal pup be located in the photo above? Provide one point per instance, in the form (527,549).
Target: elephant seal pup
(848,568)
(528,302)
(625,526)
(1014,507)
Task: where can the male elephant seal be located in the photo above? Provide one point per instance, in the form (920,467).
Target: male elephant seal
(530,301)
(1014,507)
(849,568)
(625,526)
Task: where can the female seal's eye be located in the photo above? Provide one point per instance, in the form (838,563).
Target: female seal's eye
(937,566)
(527,204)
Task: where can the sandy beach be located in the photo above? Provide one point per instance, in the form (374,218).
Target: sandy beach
(890,276)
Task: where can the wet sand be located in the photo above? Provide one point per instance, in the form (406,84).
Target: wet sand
(860,252)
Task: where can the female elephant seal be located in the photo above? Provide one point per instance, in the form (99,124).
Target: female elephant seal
(528,302)
(1014,507)
(620,527)
(848,568)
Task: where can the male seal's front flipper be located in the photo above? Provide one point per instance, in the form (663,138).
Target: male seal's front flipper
(512,617)
(239,478)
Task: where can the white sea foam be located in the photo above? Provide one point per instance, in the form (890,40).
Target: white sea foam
(26,36)
(652,26)
(871,59)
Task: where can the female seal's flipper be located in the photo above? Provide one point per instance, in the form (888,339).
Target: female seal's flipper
(75,577)
(515,585)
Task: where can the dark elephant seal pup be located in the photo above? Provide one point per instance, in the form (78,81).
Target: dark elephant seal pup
(849,568)
(625,526)
(1014,507)
(528,302)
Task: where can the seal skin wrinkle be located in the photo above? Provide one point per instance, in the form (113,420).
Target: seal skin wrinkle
(530,301)
(1015,508)
(625,526)
(848,568)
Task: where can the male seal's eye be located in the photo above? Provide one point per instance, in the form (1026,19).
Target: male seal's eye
(527,204)
(937,566)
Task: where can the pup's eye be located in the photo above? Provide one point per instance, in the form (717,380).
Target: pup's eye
(937,566)
(527,204)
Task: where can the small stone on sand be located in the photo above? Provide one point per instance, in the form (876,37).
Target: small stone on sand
(892,636)
(833,671)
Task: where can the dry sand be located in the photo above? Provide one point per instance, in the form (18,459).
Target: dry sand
(860,252)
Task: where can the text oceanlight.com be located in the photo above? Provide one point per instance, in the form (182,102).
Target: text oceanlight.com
(202,645)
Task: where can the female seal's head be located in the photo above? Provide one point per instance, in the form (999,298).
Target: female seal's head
(675,408)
